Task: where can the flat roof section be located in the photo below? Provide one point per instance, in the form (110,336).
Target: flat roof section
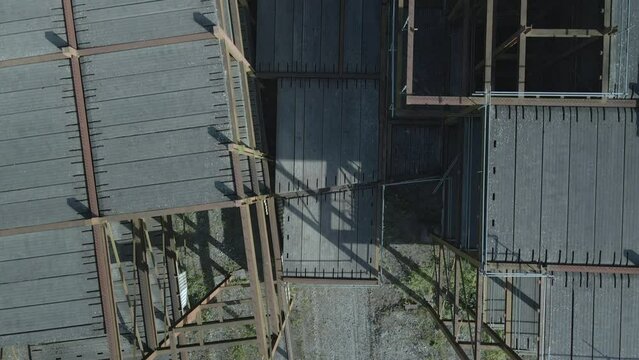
(561,185)
(154,115)
(318,36)
(41,173)
(104,22)
(327,133)
(592,316)
(330,235)
(29,28)
(49,289)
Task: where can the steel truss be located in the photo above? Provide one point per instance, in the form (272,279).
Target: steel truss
(518,38)
(270,321)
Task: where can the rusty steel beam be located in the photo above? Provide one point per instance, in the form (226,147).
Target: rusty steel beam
(282,331)
(514,101)
(99,239)
(125,217)
(458,281)
(563,33)
(511,41)
(449,336)
(490,43)
(523,22)
(459,252)
(32,59)
(410,51)
(508,316)
(144,280)
(537,267)
(605,74)
(479,316)
(214,345)
(254,280)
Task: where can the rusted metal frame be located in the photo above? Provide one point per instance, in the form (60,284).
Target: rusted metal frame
(32,60)
(236,25)
(459,252)
(144,281)
(456,315)
(210,325)
(214,345)
(99,237)
(537,267)
(523,22)
(170,254)
(511,41)
(329,281)
(269,281)
(410,51)
(245,214)
(281,332)
(490,43)
(256,292)
(341,31)
(484,327)
(447,334)
(605,73)
(441,268)
(542,318)
(382,126)
(108,236)
(521,101)
(248,151)
(466,46)
(233,50)
(508,316)
(172,337)
(479,315)
(566,33)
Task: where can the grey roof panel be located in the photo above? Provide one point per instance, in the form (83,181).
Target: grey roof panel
(528,176)
(329,235)
(303,36)
(30,28)
(629,345)
(554,197)
(41,164)
(582,189)
(150,125)
(327,133)
(630,241)
(586,207)
(104,24)
(61,264)
(501,183)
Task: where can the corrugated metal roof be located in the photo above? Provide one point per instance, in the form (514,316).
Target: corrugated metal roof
(49,288)
(30,28)
(327,133)
(330,235)
(303,36)
(160,128)
(561,185)
(41,174)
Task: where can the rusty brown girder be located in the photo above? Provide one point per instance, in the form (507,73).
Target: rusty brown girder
(514,101)
(101,250)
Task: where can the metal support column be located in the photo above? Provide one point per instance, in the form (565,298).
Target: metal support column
(523,19)
(144,280)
